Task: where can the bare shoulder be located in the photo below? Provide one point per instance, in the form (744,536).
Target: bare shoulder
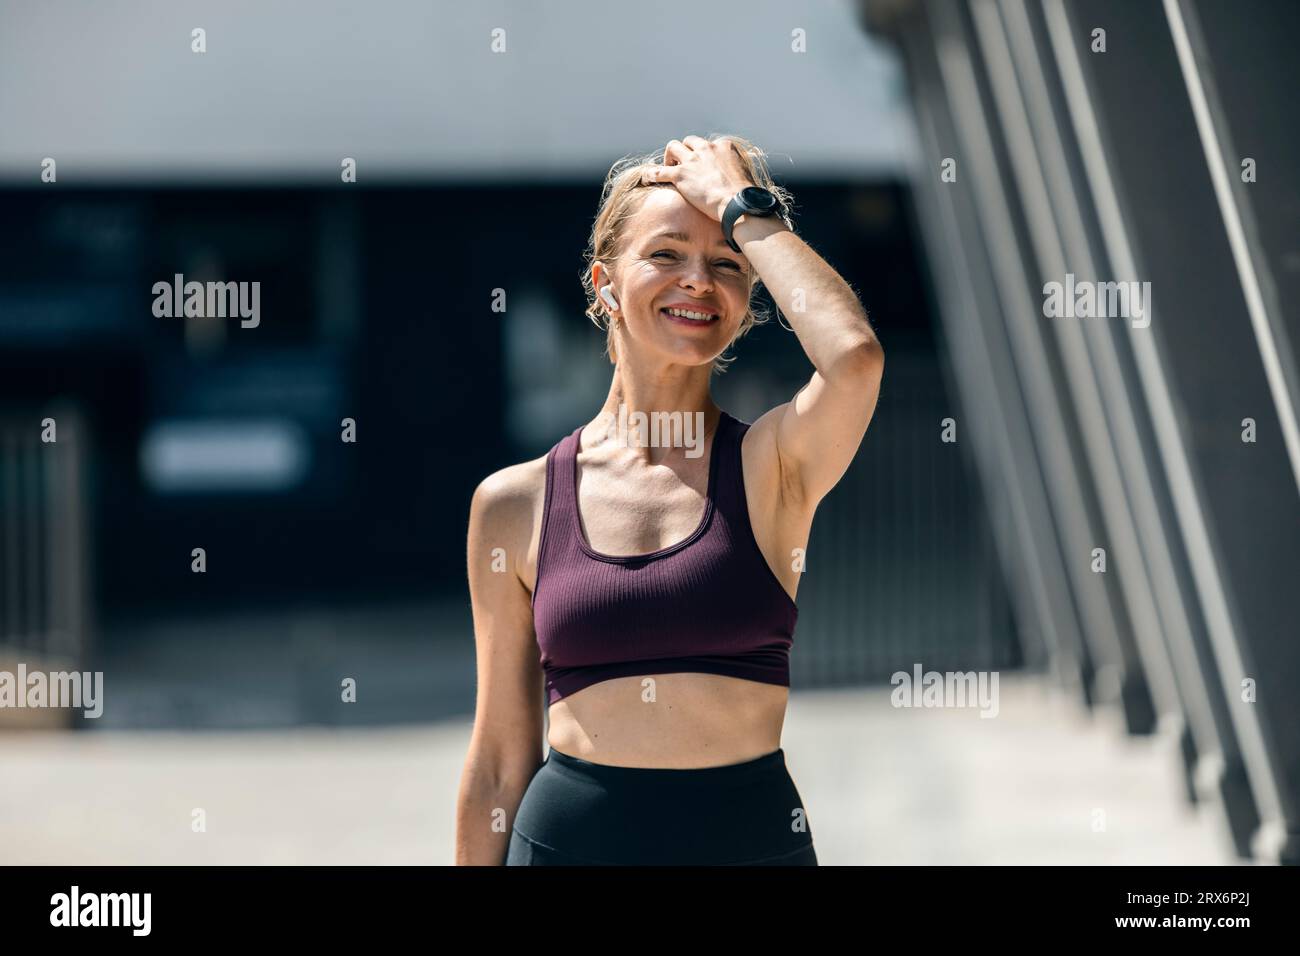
(512,487)
(506,512)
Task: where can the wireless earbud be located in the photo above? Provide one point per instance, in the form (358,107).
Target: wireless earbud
(607,294)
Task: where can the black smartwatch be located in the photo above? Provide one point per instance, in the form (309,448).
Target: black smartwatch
(750,201)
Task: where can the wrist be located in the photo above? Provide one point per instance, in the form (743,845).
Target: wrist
(724,198)
(752,202)
(748,228)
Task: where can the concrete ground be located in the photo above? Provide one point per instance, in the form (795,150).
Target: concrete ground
(1039,784)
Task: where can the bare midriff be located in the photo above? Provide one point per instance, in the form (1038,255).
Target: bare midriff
(680,721)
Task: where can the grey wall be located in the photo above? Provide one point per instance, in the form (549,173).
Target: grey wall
(412,89)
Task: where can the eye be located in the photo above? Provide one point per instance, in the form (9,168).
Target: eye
(729,264)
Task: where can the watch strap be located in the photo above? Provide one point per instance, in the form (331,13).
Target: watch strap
(735,209)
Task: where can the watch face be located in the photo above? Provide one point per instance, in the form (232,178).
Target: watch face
(758,198)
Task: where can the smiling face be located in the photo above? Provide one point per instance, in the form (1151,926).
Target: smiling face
(673,260)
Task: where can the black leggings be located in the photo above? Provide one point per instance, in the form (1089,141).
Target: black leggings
(578,813)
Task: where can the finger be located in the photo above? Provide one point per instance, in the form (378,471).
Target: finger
(675,152)
(696,142)
(659,174)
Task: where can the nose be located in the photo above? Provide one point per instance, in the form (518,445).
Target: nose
(696,275)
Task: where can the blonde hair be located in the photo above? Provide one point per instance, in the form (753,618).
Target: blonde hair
(621,198)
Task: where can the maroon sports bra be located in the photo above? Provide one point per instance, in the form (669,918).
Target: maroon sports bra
(707,604)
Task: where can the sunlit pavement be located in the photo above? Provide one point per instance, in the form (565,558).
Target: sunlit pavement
(1040,783)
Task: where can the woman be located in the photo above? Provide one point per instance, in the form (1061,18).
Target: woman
(643,592)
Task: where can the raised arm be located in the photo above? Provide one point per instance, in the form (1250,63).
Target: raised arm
(817,433)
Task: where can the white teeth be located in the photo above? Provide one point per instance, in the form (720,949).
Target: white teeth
(686,314)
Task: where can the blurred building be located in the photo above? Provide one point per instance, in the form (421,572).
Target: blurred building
(480,136)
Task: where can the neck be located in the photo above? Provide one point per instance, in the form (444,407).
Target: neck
(669,407)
